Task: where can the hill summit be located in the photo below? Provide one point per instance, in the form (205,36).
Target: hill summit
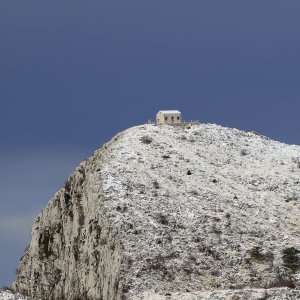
(172,212)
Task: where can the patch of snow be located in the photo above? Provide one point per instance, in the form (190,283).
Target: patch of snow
(7,295)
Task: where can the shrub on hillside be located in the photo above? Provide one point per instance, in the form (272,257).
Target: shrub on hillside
(290,257)
(243,152)
(156,184)
(256,253)
(146,139)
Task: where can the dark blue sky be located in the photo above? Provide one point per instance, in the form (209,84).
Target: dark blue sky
(74,73)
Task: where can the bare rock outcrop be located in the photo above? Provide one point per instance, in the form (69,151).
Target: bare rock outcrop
(171,211)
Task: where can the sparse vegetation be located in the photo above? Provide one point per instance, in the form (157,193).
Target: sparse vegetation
(80,215)
(156,184)
(209,251)
(256,253)
(75,249)
(194,192)
(163,219)
(290,257)
(67,185)
(280,282)
(45,244)
(243,152)
(146,139)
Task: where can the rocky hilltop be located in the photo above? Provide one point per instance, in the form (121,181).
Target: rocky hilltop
(172,212)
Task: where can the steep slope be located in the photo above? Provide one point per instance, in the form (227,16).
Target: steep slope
(165,209)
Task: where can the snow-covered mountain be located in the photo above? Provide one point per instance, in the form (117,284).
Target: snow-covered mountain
(172,212)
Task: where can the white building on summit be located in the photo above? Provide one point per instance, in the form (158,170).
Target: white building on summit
(168,117)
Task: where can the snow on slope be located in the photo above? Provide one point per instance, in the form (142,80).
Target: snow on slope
(7,295)
(173,210)
(198,200)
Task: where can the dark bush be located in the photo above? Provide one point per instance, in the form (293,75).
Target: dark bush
(208,251)
(256,253)
(244,152)
(80,215)
(156,184)
(290,257)
(67,185)
(282,282)
(163,219)
(45,244)
(146,139)
(75,249)
(194,192)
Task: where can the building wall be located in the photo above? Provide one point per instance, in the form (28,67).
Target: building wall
(168,118)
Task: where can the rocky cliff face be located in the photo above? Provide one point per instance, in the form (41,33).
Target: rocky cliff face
(162,212)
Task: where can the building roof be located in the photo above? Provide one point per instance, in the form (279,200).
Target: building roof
(170,111)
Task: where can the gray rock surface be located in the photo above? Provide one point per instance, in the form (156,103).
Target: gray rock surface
(161,212)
